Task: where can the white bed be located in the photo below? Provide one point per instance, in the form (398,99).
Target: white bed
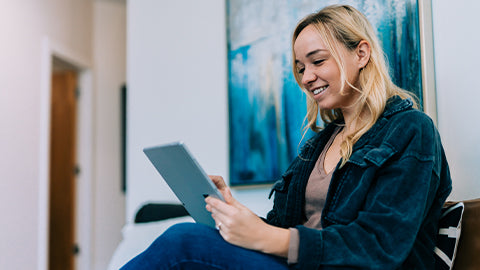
(138,236)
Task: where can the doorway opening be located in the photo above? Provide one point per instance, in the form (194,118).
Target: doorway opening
(59,59)
(63,166)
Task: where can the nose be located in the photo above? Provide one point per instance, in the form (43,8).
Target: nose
(308,76)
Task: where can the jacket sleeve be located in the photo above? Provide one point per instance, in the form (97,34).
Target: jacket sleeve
(403,178)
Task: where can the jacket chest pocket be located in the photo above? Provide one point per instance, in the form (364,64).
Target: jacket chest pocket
(354,181)
(372,156)
(281,186)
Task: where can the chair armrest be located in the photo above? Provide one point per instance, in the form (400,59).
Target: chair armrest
(159,211)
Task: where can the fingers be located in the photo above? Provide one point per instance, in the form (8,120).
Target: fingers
(223,188)
(227,195)
(218,181)
(215,205)
(220,210)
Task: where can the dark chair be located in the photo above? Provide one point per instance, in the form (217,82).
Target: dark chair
(159,211)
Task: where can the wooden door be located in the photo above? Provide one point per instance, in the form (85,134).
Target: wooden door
(62,171)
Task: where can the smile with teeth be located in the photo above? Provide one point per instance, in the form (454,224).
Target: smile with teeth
(319,90)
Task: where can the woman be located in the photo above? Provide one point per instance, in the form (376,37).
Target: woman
(365,192)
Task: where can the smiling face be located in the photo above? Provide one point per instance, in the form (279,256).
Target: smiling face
(321,76)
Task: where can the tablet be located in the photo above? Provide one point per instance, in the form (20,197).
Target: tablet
(185,178)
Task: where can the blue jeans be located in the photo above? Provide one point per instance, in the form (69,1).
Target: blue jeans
(196,246)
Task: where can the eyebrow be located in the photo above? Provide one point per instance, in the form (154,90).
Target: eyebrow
(312,53)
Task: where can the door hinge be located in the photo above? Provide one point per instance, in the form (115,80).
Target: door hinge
(75,249)
(76,170)
(77,93)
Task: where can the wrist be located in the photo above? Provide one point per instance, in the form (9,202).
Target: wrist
(275,240)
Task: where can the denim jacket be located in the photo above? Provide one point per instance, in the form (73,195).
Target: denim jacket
(382,206)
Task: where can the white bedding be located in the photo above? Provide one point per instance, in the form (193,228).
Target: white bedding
(137,237)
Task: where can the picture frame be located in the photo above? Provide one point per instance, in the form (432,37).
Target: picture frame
(267,108)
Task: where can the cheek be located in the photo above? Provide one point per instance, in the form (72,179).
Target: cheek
(353,75)
(352,72)
(332,73)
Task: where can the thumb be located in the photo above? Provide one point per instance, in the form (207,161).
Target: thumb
(227,195)
(218,181)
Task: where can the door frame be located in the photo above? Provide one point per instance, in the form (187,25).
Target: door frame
(84,145)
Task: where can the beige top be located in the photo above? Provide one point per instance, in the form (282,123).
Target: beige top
(315,196)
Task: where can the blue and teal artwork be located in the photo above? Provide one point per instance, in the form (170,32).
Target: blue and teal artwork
(266,107)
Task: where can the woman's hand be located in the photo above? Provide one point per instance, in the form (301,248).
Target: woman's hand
(240,226)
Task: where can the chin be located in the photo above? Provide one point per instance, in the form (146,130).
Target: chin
(325,106)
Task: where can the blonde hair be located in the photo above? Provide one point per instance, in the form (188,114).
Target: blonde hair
(343,25)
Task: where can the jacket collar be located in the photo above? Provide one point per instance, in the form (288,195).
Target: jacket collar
(394,105)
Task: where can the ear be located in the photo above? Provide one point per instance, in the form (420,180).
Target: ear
(363,53)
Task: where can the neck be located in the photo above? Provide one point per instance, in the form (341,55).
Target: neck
(352,118)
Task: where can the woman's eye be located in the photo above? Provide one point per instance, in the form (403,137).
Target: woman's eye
(318,62)
(300,69)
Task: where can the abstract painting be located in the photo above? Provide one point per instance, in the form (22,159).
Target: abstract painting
(266,107)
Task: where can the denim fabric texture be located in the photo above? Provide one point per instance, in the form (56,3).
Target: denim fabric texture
(196,246)
(382,206)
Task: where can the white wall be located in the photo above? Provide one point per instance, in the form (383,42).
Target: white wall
(68,26)
(110,69)
(457,58)
(177,85)
(23,26)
